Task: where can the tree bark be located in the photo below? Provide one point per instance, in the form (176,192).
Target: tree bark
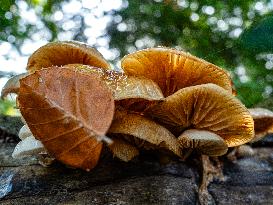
(142,181)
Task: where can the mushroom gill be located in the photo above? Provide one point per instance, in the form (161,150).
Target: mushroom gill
(122,149)
(143,133)
(206,107)
(203,141)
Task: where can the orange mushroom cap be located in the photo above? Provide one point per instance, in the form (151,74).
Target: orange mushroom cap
(263,122)
(206,107)
(65,52)
(172,69)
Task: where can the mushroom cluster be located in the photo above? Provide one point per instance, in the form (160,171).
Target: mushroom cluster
(73,103)
(199,107)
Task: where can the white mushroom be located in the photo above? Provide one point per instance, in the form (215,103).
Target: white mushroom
(24,132)
(28,147)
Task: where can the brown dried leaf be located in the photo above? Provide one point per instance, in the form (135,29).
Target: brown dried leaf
(67,111)
(173,69)
(207,107)
(140,130)
(263,122)
(205,142)
(123,150)
(66,52)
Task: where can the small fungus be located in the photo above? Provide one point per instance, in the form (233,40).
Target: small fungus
(28,147)
(204,142)
(263,122)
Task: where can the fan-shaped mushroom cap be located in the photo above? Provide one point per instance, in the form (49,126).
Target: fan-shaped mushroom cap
(144,129)
(205,142)
(66,52)
(24,132)
(28,147)
(123,86)
(173,69)
(207,107)
(12,85)
(123,150)
(263,122)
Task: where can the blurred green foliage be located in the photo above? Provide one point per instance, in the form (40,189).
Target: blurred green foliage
(235,35)
(259,38)
(7,107)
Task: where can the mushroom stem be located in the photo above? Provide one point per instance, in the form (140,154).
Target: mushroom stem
(231,156)
(210,172)
(207,176)
(105,139)
(45,160)
(186,154)
(245,151)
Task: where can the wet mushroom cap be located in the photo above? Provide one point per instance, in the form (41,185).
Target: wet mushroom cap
(139,130)
(263,122)
(123,86)
(207,107)
(66,52)
(172,69)
(204,142)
